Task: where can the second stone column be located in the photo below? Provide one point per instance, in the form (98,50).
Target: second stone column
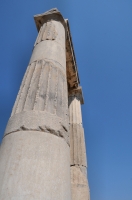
(79,182)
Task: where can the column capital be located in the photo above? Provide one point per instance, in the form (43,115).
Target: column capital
(54,13)
(78,93)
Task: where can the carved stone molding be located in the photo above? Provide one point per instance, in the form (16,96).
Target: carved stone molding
(47,32)
(43,88)
(54,14)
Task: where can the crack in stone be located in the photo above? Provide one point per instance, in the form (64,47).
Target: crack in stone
(59,133)
(82,168)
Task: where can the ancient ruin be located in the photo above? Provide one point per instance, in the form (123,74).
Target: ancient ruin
(43,153)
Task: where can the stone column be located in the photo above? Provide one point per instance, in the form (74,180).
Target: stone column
(35,154)
(79,182)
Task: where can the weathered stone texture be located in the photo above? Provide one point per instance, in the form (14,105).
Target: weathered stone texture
(80,187)
(34,165)
(44,87)
(35,154)
(37,150)
(47,32)
(75,116)
(77,140)
(38,121)
(77,145)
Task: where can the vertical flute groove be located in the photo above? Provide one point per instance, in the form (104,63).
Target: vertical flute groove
(46,100)
(19,93)
(29,87)
(38,87)
(55,105)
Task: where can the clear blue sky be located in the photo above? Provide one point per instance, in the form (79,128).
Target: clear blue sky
(102,37)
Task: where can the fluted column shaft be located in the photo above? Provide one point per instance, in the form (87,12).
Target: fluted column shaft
(80,187)
(34,155)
